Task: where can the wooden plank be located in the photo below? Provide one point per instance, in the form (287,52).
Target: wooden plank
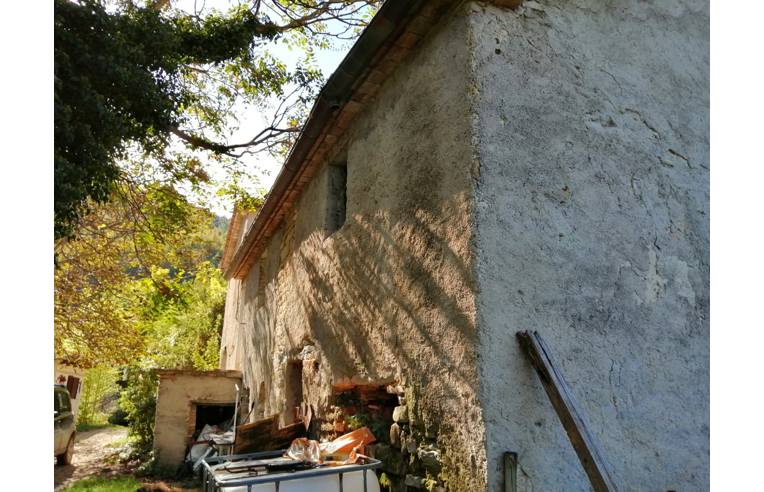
(510,472)
(571,417)
(265,435)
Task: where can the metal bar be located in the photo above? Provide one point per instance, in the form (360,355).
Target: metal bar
(248,456)
(272,479)
(571,417)
(365,487)
(316,472)
(510,472)
(340,479)
(235,418)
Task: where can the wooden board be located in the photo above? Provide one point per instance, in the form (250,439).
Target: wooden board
(571,417)
(265,435)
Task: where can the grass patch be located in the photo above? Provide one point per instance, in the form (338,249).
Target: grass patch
(89,427)
(119,443)
(101,484)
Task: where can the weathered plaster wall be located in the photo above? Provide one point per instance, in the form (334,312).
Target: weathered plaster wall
(173,410)
(592,228)
(230,346)
(390,295)
(61,375)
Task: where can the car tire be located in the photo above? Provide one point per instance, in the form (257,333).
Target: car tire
(66,457)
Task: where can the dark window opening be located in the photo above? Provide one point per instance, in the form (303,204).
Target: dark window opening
(262,278)
(219,415)
(293,390)
(337,206)
(369,406)
(73,386)
(64,405)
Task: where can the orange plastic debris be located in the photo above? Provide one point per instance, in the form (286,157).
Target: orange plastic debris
(344,450)
(348,442)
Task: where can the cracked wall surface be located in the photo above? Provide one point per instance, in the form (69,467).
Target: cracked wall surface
(591,130)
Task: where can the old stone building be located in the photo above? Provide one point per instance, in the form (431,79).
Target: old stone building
(187,400)
(474,169)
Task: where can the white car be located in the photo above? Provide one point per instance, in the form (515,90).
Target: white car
(63,426)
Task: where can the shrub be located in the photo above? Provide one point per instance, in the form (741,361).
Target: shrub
(118,417)
(98,384)
(138,401)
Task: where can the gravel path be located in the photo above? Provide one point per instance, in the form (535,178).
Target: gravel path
(90,450)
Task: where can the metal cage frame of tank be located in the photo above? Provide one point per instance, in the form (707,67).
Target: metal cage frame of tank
(211,484)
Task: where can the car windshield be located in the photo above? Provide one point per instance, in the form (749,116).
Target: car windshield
(56,402)
(61,402)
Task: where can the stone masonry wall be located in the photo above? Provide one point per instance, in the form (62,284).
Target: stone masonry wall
(593,228)
(389,297)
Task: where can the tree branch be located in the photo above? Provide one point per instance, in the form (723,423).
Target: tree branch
(202,143)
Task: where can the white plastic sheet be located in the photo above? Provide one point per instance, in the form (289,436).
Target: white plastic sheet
(198,450)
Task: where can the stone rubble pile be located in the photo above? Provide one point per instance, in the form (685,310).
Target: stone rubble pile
(411,457)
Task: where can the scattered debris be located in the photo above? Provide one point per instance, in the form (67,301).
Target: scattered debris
(265,435)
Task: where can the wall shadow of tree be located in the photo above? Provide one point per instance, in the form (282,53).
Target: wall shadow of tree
(388,299)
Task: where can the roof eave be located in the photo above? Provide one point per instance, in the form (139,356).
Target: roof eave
(384,28)
(399,24)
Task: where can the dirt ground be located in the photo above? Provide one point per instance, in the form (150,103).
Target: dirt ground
(90,451)
(91,458)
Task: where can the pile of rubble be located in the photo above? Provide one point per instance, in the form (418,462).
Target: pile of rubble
(411,459)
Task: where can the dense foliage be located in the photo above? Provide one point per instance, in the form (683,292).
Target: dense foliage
(129,78)
(183,328)
(98,385)
(139,289)
(117,80)
(140,246)
(182,331)
(146,99)
(138,400)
